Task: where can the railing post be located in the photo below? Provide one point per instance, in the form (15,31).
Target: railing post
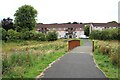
(93,46)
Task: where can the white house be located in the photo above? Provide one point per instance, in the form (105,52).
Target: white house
(63,30)
(102,26)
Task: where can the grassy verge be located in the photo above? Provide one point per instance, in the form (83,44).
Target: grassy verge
(27,59)
(105,64)
(106,58)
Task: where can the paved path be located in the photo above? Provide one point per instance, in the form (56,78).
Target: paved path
(78,63)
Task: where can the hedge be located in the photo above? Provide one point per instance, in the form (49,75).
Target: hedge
(12,35)
(108,34)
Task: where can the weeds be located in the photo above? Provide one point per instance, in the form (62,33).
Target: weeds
(106,55)
(28,61)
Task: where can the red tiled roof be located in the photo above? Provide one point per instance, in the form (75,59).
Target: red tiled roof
(60,25)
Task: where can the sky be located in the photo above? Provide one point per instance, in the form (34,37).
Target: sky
(63,11)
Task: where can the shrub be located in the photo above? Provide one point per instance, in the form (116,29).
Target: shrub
(37,36)
(109,34)
(3,34)
(52,36)
(25,35)
(41,36)
(13,35)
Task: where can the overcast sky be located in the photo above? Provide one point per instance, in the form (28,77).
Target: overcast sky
(62,11)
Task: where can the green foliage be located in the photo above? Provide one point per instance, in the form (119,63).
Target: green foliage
(105,64)
(86,30)
(3,34)
(7,24)
(52,36)
(38,36)
(25,17)
(25,35)
(110,49)
(13,35)
(28,61)
(109,34)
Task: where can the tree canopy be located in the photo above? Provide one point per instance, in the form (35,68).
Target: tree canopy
(75,23)
(25,17)
(113,22)
(86,30)
(7,24)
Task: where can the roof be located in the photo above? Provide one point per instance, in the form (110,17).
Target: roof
(60,25)
(106,24)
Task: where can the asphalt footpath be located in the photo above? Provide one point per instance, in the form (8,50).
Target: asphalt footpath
(78,63)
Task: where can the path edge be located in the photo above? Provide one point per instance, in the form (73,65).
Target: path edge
(49,66)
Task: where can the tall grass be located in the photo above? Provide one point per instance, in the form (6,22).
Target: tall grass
(21,60)
(107,56)
(111,49)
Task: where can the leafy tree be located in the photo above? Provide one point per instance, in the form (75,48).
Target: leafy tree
(75,23)
(113,22)
(25,18)
(86,30)
(69,23)
(7,24)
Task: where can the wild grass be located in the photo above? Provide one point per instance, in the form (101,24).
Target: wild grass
(106,55)
(27,59)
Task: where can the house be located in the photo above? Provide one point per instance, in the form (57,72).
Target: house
(64,30)
(102,26)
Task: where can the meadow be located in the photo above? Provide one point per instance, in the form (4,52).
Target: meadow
(27,59)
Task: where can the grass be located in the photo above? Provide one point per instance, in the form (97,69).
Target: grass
(27,59)
(105,64)
(103,56)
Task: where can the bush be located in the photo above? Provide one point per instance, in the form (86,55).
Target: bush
(13,35)
(52,36)
(3,34)
(37,36)
(25,35)
(109,34)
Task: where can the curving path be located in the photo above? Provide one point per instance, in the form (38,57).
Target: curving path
(78,63)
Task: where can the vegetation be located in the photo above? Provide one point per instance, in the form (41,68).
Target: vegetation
(106,55)
(75,23)
(7,24)
(52,36)
(86,30)
(12,35)
(29,58)
(108,34)
(113,22)
(25,18)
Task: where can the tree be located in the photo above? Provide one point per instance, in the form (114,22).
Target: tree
(113,22)
(69,23)
(86,30)
(25,18)
(75,22)
(7,24)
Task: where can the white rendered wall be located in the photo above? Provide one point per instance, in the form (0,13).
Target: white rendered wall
(61,34)
(78,33)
